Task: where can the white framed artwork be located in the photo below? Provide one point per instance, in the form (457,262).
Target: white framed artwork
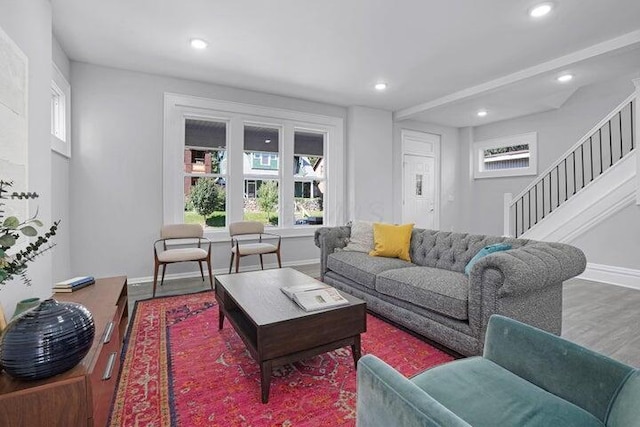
(13,122)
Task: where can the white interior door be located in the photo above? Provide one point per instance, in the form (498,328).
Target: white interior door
(419,201)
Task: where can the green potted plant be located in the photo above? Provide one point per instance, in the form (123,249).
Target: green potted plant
(13,230)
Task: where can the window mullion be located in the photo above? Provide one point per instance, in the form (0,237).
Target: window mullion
(286,176)
(235,192)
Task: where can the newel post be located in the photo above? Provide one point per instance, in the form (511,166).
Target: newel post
(508,197)
(636,130)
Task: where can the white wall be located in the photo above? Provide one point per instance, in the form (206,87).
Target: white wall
(449,171)
(60,187)
(28,23)
(116,168)
(369,164)
(465,179)
(614,242)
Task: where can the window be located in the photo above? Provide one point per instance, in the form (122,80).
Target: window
(509,156)
(238,148)
(261,150)
(308,175)
(60,113)
(205,178)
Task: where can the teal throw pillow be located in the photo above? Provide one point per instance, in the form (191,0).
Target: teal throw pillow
(498,247)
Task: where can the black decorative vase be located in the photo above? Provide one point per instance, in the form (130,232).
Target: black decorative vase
(46,340)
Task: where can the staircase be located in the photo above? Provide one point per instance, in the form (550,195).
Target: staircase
(594,179)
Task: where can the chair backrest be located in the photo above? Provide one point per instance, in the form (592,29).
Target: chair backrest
(574,373)
(181,231)
(246,227)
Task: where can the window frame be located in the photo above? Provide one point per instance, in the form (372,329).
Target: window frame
(60,114)
(178,107)
(478,148)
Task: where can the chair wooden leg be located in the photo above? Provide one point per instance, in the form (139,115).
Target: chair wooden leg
(155,277)
(201,271)
(237,262)
(261,262)
(164,268)
(279,261)
(210,274)
(231,263)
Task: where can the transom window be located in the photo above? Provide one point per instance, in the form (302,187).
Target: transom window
(509,156)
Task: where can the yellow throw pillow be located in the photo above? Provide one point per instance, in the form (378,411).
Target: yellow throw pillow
(391,241)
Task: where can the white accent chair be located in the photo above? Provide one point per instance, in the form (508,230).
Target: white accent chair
(253,245)
(193,247)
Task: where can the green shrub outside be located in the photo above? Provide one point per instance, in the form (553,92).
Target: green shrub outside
(267,196)
(207,197)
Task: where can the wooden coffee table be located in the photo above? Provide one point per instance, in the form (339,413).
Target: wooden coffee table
(275,329)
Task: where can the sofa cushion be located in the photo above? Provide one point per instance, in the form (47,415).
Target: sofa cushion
(391,241)
(484,394)
(361,238)
(362,268)
(487,250)
(442,291)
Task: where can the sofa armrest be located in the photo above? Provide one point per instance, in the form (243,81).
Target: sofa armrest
(387,398)
(531,267)
(328,239)
(524,283)
(576,374)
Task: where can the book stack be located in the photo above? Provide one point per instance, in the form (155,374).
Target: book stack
(74,284)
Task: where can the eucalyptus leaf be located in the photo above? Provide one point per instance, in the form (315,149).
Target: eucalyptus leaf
(29,231)
(11,222)
(7,240)
(37,222)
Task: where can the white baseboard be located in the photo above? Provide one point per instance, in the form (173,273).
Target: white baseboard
(196,273)
(620,276)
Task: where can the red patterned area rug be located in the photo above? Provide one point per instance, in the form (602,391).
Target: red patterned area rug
(179,370)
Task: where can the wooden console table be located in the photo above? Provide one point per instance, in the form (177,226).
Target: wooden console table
(81,396)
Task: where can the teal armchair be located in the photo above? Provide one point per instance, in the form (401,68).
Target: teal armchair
(525,377)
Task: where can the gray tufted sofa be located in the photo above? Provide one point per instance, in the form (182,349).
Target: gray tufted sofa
(432,296)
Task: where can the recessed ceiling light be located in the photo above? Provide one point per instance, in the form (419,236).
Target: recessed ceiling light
(482,113)
(267,141)
(540,10)
(381,86)
(565,78)
(199,44)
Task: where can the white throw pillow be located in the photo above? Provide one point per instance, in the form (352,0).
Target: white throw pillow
(361,239)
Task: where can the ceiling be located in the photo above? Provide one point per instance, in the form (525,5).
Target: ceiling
(441,60)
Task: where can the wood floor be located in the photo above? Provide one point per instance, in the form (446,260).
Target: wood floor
(604,318)
(599,316)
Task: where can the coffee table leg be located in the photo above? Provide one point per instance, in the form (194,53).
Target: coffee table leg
(220,318)
(355,349)
(265,381)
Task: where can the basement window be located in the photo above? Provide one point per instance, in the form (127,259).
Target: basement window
(508,156)
(60,113)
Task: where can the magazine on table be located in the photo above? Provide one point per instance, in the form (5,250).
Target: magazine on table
(314,296)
